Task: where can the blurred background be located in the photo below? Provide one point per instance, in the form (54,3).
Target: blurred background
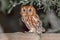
(48,11)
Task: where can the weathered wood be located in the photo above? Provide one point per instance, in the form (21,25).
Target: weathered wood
(29,36)
(51,36)
(19,36)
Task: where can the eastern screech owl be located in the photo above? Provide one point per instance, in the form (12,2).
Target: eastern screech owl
(31,19)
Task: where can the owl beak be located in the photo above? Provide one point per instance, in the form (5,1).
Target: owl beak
(26,12)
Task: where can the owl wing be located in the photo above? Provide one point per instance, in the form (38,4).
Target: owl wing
(35,22)
(27,23)
(38,24)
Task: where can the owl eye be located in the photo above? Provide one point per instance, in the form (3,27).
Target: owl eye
(30,10)
(24,10)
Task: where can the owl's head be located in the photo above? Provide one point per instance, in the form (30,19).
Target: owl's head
(27,10)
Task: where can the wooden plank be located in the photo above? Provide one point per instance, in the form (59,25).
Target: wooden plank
(19,36)
(29,36)
(51,36)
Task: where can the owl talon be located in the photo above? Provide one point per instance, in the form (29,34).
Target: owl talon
(30,31)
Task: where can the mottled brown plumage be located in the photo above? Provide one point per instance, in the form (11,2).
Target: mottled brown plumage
(31,19)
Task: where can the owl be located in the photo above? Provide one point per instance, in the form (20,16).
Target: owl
(31,19)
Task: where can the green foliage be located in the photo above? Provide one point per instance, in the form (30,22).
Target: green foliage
(9,4)
(58,7)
